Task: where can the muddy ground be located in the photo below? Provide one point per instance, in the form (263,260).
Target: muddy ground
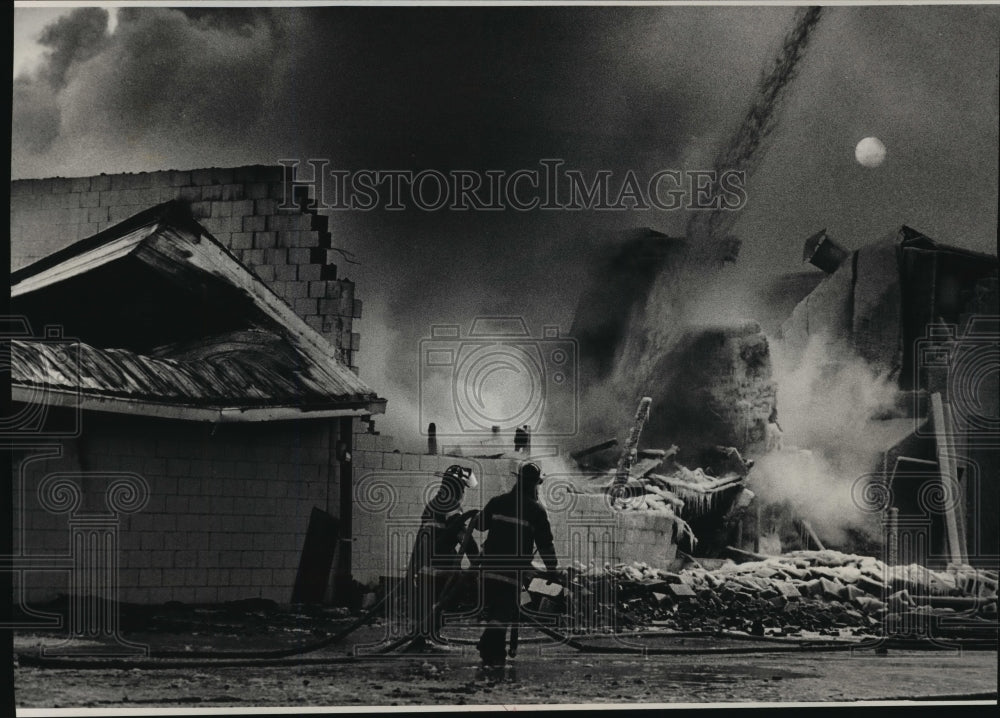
(704,669)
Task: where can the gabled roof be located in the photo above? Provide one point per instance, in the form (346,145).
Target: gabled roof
(165,321)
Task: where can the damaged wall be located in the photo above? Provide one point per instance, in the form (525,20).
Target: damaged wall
(291,250)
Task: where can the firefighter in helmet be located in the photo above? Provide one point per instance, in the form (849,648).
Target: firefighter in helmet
(438,549)
(517,523)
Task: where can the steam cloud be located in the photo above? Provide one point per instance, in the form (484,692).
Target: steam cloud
(662,320)
(826,398)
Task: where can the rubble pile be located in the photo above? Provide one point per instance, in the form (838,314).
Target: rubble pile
(801,592)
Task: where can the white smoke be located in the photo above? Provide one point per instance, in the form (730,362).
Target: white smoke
(827,397)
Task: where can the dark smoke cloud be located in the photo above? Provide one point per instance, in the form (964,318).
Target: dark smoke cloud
(614,88)
(74,38)
(168,88)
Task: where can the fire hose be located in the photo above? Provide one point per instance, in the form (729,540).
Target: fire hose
(293,656)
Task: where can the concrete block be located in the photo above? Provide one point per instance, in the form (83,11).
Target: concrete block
(223,209)
(410,462)
(179,178)
(541,587)
(90,199)
(272,559)
(242,207)
(152,541)
(79,184)
(276,256)
(852,593)
(255,190)
(265,207)
(60,185)
(287,222)
(173,577)
(189,194)
(298,256)
(201,210)
(211,193)
(88,229)
(218,541)
(311,239)
(310,272)
(254,223)
(285,272)
(235,193)
(681,591)
(166,194)
(261,577)
(188,558)
(240,576)
(150,577)
(218,578)
(242,240)
(201,177)
(304,306)
(222,175)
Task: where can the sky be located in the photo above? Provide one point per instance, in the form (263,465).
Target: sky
(603,88)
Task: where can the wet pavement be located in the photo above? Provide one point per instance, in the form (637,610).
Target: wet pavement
(701,671)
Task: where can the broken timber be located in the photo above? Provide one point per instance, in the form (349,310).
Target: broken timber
(949,479)
(631,444)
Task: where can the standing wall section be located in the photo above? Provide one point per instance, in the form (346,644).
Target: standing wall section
(227,511)
(290,249)
(391,489)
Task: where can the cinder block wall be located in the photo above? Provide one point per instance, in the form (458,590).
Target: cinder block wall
(227,512)
(291,250)
(392,488)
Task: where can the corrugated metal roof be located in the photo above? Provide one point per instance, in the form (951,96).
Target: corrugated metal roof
(231,379)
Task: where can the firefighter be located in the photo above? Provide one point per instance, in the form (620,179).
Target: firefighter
(517,524)
(437,550)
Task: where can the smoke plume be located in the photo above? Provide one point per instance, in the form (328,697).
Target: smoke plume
(660,323)
(827,397)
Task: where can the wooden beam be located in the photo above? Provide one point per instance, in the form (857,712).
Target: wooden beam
(959,439)
(632,442)
(949,477)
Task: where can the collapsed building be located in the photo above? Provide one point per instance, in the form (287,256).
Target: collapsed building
(924,315)
(915,312)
